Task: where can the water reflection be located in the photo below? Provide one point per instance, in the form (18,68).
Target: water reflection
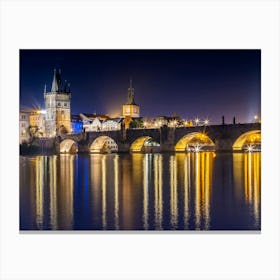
(252,178)
(116,192)
(158,203)
(197,169)
(39,191)
(146,175)
(141,191)
(95,187)
(104,185)
(53,192)
(66,190)
(173,192)
(203,165)
(187,185)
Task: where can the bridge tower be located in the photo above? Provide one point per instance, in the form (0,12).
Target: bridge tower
(58,106)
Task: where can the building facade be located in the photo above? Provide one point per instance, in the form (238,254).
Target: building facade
(24,123)
(92,122)
(58,107)
(111,124)
(130,108)
(37,122)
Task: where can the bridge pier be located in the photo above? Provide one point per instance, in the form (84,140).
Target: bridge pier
(123,147)
(223,145)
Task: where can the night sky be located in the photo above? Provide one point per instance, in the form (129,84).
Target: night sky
(191,83)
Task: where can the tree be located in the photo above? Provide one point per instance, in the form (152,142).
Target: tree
(136,124)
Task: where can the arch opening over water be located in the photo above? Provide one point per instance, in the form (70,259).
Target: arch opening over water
(195,142)
(249,142)
(103,145)
(68,146)
(145,144)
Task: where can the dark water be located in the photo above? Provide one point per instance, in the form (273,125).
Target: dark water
(202,191)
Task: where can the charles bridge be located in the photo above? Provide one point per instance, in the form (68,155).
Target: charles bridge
(226,137)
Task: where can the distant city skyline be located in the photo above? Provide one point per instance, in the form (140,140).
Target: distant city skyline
(191,83)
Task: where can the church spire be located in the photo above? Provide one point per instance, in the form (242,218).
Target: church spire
(54,82)
(45,88)
(130,96)
(57,84)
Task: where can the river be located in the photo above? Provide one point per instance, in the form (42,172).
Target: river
(192,191)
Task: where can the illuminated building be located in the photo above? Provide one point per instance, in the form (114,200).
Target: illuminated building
(58,107)
(92,122)
(24,124)
(37,121)
(130,108)
(111,124)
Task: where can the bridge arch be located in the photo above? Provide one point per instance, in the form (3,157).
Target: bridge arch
(144,144)
(195,142)
(68,146)
(103,144)
(248,139)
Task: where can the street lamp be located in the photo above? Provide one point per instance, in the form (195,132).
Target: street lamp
(206,122)
(196,121)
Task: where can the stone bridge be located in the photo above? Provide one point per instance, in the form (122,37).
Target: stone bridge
(221,137)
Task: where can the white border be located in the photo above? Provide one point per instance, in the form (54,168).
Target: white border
(154,24)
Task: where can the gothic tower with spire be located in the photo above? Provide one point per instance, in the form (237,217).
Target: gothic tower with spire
(130,108)
(58,106)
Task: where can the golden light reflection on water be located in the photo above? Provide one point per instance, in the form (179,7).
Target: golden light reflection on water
(104,185)
(95,186)
(66,190)
(53,192)
(127,194)
(158,203)
(193,173)
(187,185)
(146,170)
(173,192)
(203,163)
(252,179)
(116,191)
(142,191)
(39,191)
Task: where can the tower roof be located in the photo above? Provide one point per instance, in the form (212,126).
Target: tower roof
(57,86)
(56,83)
(130,95)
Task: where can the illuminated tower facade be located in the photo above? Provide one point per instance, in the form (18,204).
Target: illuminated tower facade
(58,106)
(130,108)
